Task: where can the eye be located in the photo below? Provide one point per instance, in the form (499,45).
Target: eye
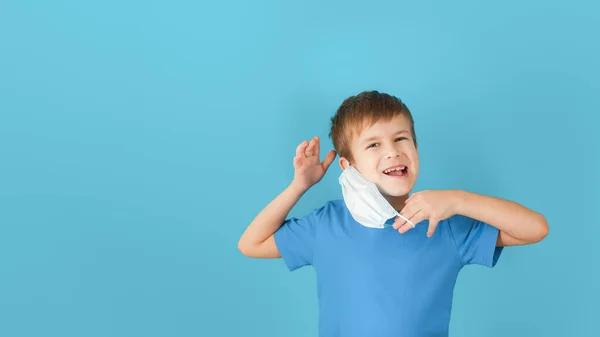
(372,145)
(400,138)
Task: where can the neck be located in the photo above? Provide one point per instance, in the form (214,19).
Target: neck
(397,202)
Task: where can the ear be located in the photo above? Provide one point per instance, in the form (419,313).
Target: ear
(344,163)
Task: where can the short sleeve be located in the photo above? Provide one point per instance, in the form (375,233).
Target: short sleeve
(296,239)
(475,241)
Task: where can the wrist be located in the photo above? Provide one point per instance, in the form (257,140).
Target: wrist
(460,201)
(297,188)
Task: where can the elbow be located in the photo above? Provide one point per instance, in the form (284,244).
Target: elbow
(243,247)
(247,248)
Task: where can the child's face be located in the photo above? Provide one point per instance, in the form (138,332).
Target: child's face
(386,144)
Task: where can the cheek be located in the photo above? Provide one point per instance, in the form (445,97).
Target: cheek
(416,163)
(368,171)
(415,172)
(413,156)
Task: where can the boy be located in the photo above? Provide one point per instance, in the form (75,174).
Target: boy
(392,281)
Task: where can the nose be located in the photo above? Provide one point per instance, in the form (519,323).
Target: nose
(392,153)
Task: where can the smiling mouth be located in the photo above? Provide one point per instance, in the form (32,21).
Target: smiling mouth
(398,171)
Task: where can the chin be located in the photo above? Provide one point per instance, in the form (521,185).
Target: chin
(397,188)
(399,191)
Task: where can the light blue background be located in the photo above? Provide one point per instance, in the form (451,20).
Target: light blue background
(138,139)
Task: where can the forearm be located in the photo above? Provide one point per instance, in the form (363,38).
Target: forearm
(511,218)
(268,221)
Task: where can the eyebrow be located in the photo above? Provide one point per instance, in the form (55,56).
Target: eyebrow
(370,139)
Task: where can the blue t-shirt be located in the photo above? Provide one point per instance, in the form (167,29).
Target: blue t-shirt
(378,282)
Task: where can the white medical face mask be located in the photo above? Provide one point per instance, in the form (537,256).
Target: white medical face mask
(364,200)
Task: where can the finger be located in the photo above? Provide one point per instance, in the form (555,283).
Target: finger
(300,154)
(420,216)
(310,148)
(433,222)
(328,159)
(301,147)
(317,147)
(401,220)
(407,212)
(403,216)
(297,161)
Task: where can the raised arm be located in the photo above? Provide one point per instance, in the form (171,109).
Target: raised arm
(258,239)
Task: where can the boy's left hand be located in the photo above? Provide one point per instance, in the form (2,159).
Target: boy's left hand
(433,205)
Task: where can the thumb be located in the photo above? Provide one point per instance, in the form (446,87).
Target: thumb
(328,159)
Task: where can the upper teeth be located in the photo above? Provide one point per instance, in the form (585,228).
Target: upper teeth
(394,169)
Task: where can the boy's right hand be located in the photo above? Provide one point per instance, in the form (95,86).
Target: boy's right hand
(309,169)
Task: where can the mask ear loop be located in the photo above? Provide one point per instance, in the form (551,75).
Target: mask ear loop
(401,216)
(405,219)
